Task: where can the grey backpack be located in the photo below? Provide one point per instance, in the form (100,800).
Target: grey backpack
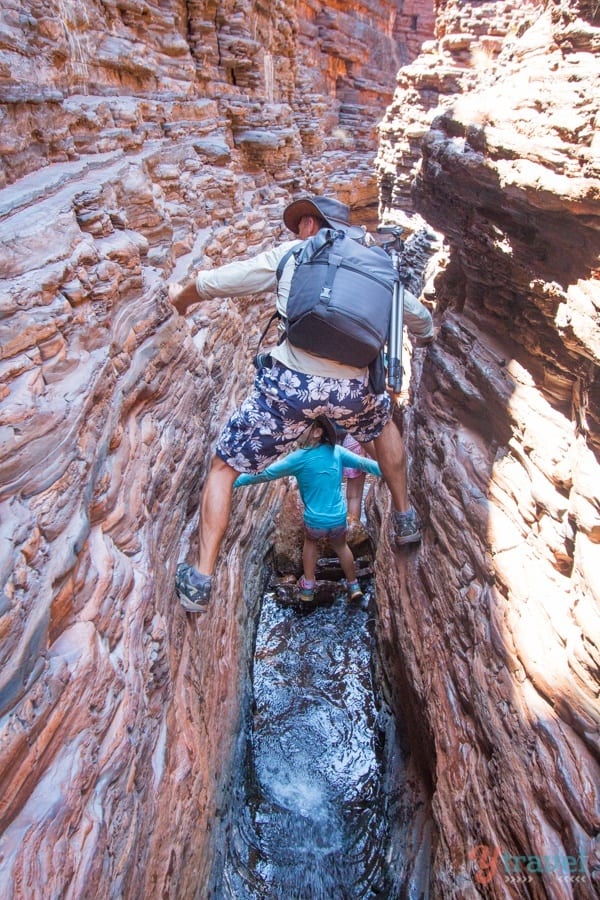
(340,298)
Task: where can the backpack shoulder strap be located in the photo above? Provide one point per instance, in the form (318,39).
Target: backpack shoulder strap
(276,315)
(283,261)
(305,251)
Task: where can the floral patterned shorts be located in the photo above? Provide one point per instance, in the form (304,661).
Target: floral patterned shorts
(283,404)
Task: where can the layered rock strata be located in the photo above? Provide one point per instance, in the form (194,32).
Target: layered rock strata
(496,616)
(139,140)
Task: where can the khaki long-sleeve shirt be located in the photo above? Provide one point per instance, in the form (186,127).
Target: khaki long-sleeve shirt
(259,274)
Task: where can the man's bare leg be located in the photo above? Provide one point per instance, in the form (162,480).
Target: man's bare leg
(391,457)
(369,447)
(193,586)
(215,513)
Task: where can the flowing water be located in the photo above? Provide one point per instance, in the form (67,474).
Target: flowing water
(311,814)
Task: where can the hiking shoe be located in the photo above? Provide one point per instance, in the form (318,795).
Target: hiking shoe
(405,527)
(354,591)
(307,590)
(193,589)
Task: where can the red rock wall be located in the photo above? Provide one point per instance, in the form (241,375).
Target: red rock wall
(496,617)
(139,140)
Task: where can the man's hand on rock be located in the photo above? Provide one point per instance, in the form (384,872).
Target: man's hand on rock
(183,295)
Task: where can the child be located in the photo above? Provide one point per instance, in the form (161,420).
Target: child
(355,482)
(317,467)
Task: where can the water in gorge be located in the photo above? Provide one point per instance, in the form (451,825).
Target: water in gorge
(313,803)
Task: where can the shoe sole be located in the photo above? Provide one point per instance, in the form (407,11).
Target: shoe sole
(189,605)
(407,539)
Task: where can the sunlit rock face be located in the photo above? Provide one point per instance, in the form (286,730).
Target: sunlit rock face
(496,616)
(139,140)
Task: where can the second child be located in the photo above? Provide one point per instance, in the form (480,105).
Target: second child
(317,467)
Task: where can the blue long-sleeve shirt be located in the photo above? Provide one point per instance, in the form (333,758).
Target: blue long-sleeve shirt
(318,471)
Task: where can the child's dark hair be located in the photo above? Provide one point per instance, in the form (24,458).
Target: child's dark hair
(329,435)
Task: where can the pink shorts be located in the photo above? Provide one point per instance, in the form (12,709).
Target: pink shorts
(352,444)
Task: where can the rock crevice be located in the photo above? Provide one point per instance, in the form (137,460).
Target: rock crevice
(496,617)
(138,142)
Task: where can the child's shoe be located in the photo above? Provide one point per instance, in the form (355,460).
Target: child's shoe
(354,591)
(307,590)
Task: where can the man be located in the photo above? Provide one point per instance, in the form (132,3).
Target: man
(289,393)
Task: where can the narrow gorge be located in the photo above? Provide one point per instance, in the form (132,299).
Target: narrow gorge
(141,140)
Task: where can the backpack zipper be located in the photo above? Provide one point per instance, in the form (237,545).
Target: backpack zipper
(345,265)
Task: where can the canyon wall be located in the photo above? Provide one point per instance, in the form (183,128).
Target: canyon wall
(140,140)
(493,136)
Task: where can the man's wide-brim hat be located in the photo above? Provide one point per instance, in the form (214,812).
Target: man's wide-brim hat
(335,213)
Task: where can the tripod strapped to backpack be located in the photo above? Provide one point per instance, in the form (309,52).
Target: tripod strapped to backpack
(394,246)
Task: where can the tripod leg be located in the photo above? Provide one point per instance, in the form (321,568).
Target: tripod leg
(394,378)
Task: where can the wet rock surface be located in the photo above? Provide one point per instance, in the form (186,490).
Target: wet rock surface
(317,813)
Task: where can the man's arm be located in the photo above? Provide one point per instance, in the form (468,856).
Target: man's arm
(235,279)
(418,319)
(183,295)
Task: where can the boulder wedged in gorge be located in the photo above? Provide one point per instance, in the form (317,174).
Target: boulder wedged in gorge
(496,616)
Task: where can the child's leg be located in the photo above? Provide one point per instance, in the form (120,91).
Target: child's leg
(345,556)
(354,493)
(310,555)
